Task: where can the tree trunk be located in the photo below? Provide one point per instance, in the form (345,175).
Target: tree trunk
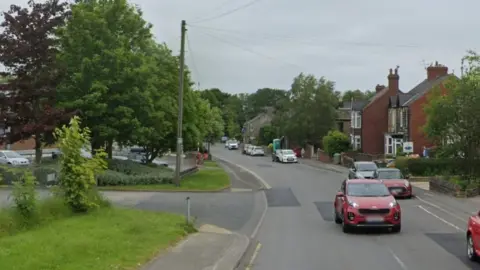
(38,149)
(109,148)
(96,144)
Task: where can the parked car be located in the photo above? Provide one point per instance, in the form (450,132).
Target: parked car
(249,149)
(257,151)
(84,152)
(285,156)
(398,184)
(13,158)
(366,203)
(473,237)
(362,170)
(245,148)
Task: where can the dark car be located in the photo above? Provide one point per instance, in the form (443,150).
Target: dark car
(362,170)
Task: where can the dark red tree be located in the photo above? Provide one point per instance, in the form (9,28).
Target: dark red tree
(28,48)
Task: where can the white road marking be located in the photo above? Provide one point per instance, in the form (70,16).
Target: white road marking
(260,222)
(241,190)
(264,183)
(441,209)
(254,256)
(399,261)
(428,194)
(441,219)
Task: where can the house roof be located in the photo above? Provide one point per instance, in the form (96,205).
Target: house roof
(420,89)
(356,105)
(376,97)
(400,99)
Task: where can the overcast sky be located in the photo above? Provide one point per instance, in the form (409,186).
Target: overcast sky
(351,42)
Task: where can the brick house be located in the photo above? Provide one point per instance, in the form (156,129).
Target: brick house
(406,116)
(375,115)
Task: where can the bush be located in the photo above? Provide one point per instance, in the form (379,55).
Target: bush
(401,164)
(115,178)
(25,198)
(433,166)
(77,175)
(335,142)
(129,167)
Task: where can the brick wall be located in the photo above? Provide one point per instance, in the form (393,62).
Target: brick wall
(323,157)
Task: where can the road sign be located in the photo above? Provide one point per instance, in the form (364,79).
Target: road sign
(408,147)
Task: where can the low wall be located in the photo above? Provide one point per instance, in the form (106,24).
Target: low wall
(441,185)
(323,157)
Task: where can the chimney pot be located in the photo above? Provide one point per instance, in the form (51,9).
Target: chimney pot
(393,81)
(436,71)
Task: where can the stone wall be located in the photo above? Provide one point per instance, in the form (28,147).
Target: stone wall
(442,185)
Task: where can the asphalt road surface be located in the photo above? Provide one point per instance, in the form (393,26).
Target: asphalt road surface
(298,231)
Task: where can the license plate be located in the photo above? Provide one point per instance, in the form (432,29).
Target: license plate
(397,190)
(290,159)
(374,219)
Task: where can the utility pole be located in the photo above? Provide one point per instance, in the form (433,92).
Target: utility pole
(178,165)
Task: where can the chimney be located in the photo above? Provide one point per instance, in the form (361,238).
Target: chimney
(379,88)
(393,79)
(436,70)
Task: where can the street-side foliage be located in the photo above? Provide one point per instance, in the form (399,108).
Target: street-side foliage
(453,122)
(28,49)
(77,173)
(335,142)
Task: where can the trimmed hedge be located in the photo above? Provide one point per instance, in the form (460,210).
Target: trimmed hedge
(127,173)
(12,174)
(114,178)
(429,166)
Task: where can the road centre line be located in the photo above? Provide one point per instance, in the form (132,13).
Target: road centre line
(441,209)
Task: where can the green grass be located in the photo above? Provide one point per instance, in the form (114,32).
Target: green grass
(210,163)
(110,238)
(203,180)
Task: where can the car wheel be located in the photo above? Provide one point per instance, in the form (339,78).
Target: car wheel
(345,227)
(471,254)
(409,197)
(338,220)
(397,228)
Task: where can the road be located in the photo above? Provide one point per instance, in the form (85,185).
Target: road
(298,231)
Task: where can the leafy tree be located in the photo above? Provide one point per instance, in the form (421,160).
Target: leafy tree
(77,174)
(356,95)
(310,110)
(335,142)
(103,52)
(158,115)
(267,134)
(28,49)
(452,115)
(212,121)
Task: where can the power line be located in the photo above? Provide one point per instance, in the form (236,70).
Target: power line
(250,50)
(228,12)
(311,42)
(223,4)
(189,47)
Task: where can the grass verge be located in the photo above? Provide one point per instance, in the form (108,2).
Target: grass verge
(210,163)
(203,180)
(110,238)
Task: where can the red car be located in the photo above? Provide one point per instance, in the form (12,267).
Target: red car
(366,203)
(398,185)
(473,237)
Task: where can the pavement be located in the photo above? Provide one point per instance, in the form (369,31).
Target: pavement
(298,231)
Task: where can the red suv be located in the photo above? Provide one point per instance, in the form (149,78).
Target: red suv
(473,237)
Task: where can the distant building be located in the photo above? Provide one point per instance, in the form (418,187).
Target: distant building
(252,127)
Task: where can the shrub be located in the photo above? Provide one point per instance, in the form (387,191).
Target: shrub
(114,178)
(401,164)
(77,174)
(433,166)
(335,142)
(134,168)
(25,198)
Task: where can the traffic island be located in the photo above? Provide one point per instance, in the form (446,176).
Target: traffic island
(108,238)
(209,178)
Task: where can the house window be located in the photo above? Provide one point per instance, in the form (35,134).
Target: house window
(401,118)
(356,119)
(388,145)
(357,144)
